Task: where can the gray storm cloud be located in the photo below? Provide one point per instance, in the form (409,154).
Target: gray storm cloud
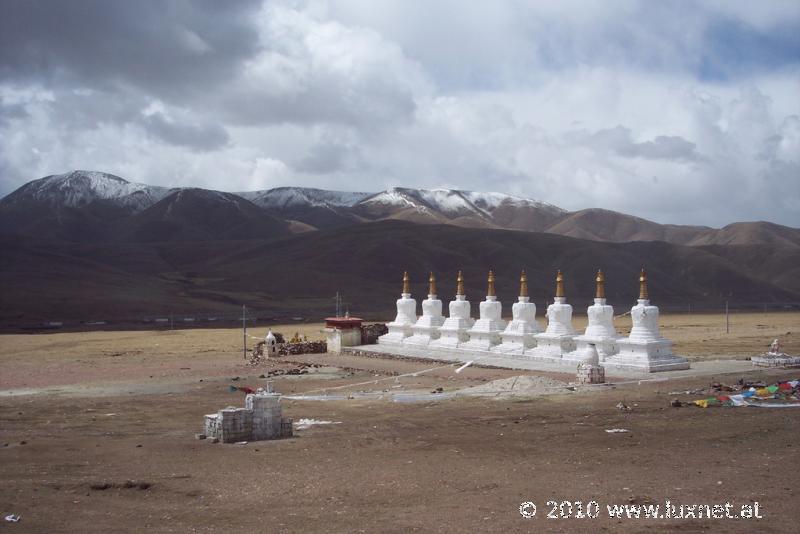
(576,103)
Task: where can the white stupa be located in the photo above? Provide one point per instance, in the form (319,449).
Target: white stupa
(270,345)
(400,328)
(485,333)
(427,326)
(454,330)
(600,331)
(644,349)
(559,337)
(518,335)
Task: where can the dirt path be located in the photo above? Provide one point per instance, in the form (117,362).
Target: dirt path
(109,448)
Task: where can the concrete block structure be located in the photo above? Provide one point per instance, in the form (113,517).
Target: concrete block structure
(342,332)
(260,419)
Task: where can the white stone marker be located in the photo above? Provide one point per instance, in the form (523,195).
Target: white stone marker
(270,345)
(518,335)
(485,333)
(400,328)
(427,327)
(454,330)
(559,337)
(600,330)
(645,349)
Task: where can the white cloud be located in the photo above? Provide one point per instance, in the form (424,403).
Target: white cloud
(632,106)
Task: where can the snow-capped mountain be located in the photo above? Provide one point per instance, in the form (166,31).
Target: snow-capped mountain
(193,214)
(282,198)
(76,189)
(465,208)
(447,202)
(96,206)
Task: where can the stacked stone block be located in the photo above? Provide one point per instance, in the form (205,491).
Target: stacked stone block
(590,374)
(260,419)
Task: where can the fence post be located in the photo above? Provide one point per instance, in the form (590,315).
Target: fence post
(727,319)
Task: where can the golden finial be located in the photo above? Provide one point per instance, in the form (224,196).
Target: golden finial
(643,285)
(523,284)
(431,284)
(490,289)
(460,284)
(559,284)
(600,280)
(406,283)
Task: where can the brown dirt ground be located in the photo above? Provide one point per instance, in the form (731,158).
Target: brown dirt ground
(100,409)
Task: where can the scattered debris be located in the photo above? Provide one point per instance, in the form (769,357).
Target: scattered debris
(687,392)
(675,403)
(780,395)
(304,424)
(621,406)
(438,390)
(616,430)
(716,386)
(128,484)
(245,389)
(13,518)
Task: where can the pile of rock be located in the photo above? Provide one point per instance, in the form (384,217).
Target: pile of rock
(371,332)
(305,347)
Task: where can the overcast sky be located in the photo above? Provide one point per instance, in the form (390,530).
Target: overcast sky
(680,112)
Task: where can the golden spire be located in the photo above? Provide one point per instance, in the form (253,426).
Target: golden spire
(490,289)
(643,285)
(406,283)
(460,284)
(559,284)
(431,284)
(523,284)
(600,280)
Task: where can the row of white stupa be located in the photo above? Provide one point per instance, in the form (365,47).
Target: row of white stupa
(644,349)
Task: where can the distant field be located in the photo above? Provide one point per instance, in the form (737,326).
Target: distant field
(34,360)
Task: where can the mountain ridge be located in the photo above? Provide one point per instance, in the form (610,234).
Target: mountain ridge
(92,206)
(298,275)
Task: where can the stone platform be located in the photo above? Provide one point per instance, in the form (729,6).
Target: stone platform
(553,365)
(507,361)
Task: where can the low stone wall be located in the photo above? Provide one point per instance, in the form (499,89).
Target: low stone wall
(306,347)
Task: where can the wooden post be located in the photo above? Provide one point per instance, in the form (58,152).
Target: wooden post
(727,319)
(244,331)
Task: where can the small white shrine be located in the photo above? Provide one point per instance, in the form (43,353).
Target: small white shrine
(518,335)
(485,333)
(644,348)
(558,337)
(521,343)
(270,345)
(600,330)
(427,326)
(400,328)
(454,330)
